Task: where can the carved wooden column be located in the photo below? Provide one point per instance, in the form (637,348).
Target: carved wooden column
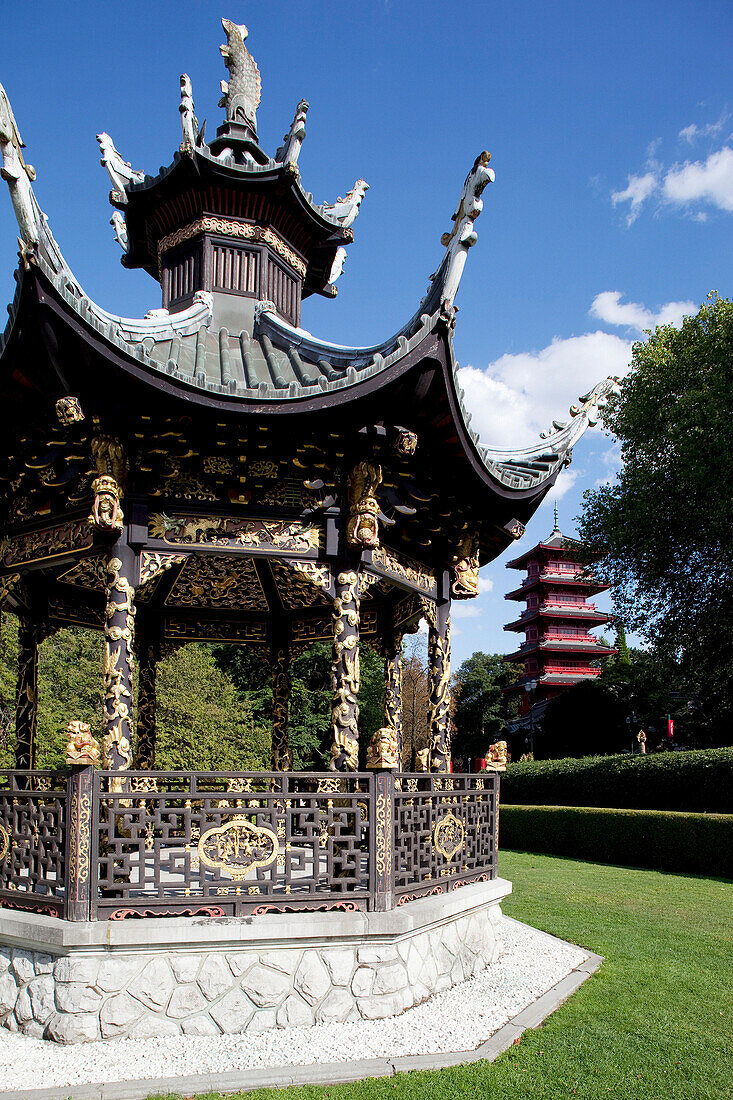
(148,654)
(345,674)
(282,757)
(439,679)
(119,634)
(26,706)
(391,651)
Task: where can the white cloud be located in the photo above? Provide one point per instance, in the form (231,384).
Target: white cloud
(485,584)
(517,396)
(464,610)
(609,308)
(637,191)
(693,133)
(708,181)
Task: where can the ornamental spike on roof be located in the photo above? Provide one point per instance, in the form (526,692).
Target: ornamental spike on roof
(237,243)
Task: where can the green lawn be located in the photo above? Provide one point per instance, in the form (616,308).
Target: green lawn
(655,1021)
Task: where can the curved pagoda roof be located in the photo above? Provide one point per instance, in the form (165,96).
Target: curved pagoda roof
(237,243)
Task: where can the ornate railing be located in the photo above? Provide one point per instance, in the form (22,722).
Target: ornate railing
(445,832)
(90,844)
(33,840)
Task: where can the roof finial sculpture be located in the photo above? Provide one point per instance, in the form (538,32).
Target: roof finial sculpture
(189,122)
(119,171)
(288,152)
(463,236)
(345,209)
(556,528)
(18,176)
(242,92)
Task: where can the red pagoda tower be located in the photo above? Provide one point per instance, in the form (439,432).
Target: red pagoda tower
(558,650)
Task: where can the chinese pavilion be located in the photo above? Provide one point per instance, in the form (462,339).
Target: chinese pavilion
(558,650)
(212,471)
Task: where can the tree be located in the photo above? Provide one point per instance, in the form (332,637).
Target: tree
(482,709)
(415,698)
(663,532)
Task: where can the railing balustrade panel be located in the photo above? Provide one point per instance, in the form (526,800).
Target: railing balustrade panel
(445,832)
(32,848)
(231,842)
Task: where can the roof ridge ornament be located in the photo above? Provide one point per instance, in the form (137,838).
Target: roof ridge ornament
(242,92)
(289,151)
(189,123)
(345,209)
(463,235)
(18,176)
(119,171)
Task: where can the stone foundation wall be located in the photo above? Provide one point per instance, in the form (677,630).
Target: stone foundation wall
(208,987)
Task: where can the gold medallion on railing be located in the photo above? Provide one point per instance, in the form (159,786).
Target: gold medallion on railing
(238,847)
(449,835)
(4,842)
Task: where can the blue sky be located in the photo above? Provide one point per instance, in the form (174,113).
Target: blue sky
(610,129)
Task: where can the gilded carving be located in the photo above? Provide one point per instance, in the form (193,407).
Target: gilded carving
(26,705)
(80,815)
(497,759)
(179,631)
(405,569)
(7,584)
(4,842)
(119,629)
(238,847)
(68,410)
(383,848)
(449,836)
(422,760)
(211,581)
(109,458)
(393,695)
(49,543)
(295,587)
(345,675)
(88,573)
(464,579)
(405,442)
(152,565)
(440,697)
(293,537)
(362,528)
(383,750)
(81,747)
(239,230)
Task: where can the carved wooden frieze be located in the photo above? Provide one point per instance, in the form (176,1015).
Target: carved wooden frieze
(88,573)
(258,534)
(301,584)
(404,570)
(211,581)
(219,630)
(51,542)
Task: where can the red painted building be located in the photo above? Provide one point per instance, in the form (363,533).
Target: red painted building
(558,650)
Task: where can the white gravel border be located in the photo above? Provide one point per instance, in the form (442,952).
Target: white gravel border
(460,1019)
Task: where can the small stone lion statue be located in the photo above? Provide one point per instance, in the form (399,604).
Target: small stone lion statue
(81,748)
(497,758)
(422,760)
(383,750)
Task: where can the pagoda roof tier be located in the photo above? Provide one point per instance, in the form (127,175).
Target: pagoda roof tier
(580,614)
(552,679)
(564,645)
(557,542)
(556,580)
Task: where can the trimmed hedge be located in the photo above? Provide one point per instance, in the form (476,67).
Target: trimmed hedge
(658,839)
(699,781)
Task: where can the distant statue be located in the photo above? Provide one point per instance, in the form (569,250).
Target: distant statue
(345,209)
(422,760)
(189,122)
(497,758)
(290,149)
(641,740)
(118,170)
(18,176)
(241,93)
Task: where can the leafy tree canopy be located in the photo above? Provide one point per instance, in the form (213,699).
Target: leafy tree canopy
(482,709)
(664,530)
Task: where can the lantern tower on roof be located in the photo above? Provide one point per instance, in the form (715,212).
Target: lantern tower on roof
(212,470)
